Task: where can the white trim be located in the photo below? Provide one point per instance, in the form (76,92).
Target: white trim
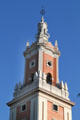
(47,51)
(41,100)
(54,100)
(13,113)
(30,54)
(40,59)
(66,110)
(33,109)
(66,107)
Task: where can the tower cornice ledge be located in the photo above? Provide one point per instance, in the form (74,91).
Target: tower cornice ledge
(56,96)
(37,91)
(31,49)
(37,45)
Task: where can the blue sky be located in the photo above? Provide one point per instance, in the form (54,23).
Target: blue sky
(18,23)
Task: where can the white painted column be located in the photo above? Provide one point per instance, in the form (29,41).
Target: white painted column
(34,109)
(39,109)
(71,114)
(41,101)
(40,59)
(66,110)
(13,113)
(45,109)
(65,114)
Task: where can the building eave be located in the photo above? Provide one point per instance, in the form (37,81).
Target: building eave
(57,97)
(37,90)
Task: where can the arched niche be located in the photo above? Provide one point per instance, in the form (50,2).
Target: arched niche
(49,78)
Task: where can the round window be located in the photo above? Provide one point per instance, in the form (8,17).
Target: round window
(32,63)
(49,63)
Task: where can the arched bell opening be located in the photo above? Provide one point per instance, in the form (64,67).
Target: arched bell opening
(49,78)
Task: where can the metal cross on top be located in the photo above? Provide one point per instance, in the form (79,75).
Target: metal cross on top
(42,12)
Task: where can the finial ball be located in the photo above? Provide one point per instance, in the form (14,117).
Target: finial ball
(42,12)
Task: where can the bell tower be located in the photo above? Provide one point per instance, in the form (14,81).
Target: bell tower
(42,57)
(41,96)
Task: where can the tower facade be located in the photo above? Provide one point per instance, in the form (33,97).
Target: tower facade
(41,96)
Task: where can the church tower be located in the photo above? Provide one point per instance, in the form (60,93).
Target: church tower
(41,96)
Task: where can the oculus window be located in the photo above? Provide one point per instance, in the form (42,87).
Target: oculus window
(49,63)
(32,64)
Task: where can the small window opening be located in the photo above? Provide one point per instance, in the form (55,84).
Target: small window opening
(32,64)
(23,107)
(32,77)
(55,107)
(49,78)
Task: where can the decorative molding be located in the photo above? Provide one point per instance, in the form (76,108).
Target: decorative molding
(43,87)
(40,59)
(31,53)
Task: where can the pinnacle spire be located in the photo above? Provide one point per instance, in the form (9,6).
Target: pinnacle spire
(27,44)
(42,28)
(56,43)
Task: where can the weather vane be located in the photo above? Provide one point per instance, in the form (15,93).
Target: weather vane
(42,12)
